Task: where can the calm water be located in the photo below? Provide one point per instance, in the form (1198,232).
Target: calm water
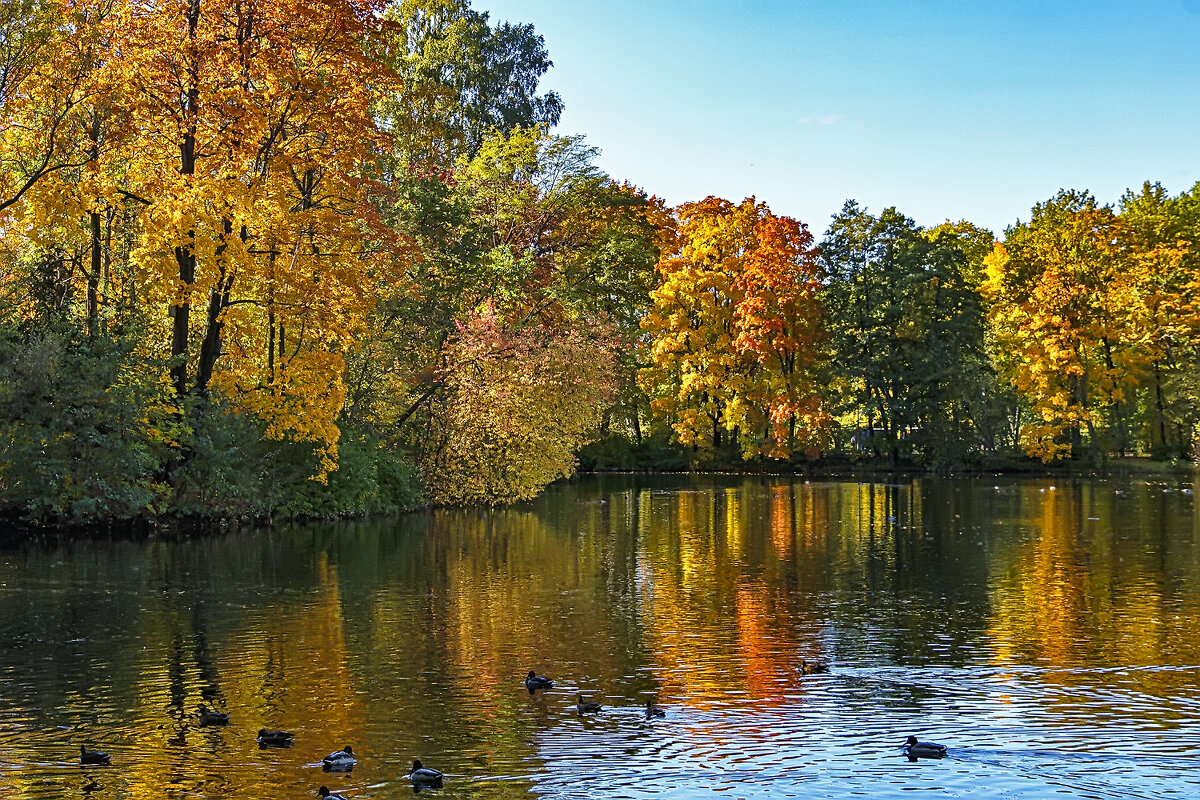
(1046,631)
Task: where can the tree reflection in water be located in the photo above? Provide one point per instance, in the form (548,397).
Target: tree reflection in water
(1021,622)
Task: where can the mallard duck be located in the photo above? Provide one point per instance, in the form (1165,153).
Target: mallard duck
(268,738)
(653,710)
(208,717)
(533,682)
(813,667)
(328,795)
(339,760)
(425,776)
(587,706)
(915,749)
(93,756)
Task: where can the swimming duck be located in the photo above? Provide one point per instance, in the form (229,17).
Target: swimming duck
(915,749)
(268,738)
(328,795)
(533,682)
(813,667)
(339,760)
(653,710)
(587,706)
(93,756)
(425,776)
(208,717)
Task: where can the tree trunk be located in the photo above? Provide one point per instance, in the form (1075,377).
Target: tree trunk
(210,347)
(93,277)
(185,255)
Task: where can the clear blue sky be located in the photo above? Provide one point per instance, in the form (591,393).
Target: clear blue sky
(946,110)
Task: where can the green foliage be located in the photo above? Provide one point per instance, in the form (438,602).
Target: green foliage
(234,470)
(464,79)
(85,428)
(368,480)
(616,451)
(222,474)
(907,328)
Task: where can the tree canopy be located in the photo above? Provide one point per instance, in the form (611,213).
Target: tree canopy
(263,257)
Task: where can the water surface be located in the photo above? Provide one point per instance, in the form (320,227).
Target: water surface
(1045,631)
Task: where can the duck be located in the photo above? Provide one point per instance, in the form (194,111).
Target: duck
(339,760)
(813,667)
(587,706)
(93,756)
(209,717)
(653,710)
(533,682)
(268,738)
(915,749)
(328,795)
(423,776)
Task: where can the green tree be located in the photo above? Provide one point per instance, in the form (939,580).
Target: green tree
(463,80)
(84,427)
(906,327)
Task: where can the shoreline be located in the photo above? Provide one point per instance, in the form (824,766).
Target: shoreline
(16,530)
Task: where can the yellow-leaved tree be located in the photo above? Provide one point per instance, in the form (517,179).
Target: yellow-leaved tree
(1067,309)
(735,330)
(235,139)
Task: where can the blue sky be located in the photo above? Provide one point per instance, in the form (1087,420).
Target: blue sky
(946,110)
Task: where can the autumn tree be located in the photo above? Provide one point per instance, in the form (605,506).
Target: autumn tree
(519,401)
(251,125)
(1069,313)
(44,73)
(555,250)
(735,330)
(1159,233)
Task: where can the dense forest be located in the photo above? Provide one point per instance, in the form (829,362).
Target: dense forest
(264,258)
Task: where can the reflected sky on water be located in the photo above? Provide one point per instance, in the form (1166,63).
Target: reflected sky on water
(1043,629)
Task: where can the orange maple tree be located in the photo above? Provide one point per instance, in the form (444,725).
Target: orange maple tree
(736,330)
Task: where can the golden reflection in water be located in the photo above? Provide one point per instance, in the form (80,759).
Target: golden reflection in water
(764,641)
(1070,594)
(782,519)
(700,597)
(683,610)
(1042,602)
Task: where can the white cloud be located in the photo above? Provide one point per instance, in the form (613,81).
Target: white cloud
(831,119)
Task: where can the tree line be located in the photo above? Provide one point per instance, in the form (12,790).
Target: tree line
(314,257)
(1075,337)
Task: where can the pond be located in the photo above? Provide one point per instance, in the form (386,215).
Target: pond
(1045,631)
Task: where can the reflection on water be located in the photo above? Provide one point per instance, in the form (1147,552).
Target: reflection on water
(1045,632)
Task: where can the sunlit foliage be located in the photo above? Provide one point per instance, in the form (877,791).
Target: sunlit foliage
(736,330)
(1068,306)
